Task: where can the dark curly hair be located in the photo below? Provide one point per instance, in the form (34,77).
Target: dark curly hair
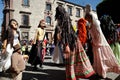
(109,28)
(64,22)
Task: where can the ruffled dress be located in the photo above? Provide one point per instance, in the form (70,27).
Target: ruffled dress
(77,64)
(104,58)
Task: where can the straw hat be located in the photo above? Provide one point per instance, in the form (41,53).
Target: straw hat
(16,47)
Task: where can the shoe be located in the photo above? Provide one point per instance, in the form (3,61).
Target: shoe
(41,66)
(35,68)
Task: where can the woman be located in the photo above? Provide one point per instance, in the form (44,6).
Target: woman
(104,59)
(36,55)
(77,63)
(12,37)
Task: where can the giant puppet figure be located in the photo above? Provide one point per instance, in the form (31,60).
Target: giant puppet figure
(77,63)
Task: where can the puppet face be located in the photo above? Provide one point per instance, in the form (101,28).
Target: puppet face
(88,17)
(14,24)
(42,24)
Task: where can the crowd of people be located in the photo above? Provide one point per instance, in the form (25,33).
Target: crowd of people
(85,52)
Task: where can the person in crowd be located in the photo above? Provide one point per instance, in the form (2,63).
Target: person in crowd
(44,46)
(29,46)
(104,59)
(77,64)
(11,38)
(57,56)
(23,48)
(32,53)
(17,63)
(36,55)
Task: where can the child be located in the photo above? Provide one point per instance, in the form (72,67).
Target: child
(18,63)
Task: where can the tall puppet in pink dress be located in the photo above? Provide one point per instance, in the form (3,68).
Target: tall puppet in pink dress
(104,59)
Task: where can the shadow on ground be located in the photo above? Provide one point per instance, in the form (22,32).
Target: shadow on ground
(43,74)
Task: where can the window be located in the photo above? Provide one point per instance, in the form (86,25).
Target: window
(60,4)
(48,7)
(69,10)
(25,2)
(25,35)
(77,12)
(25,20)
(48,20)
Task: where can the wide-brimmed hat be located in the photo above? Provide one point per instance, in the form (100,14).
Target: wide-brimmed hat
(16,47)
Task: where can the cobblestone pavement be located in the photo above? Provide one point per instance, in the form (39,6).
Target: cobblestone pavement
(53,71)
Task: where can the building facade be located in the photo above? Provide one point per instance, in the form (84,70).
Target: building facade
(28,13)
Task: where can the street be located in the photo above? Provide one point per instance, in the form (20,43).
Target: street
(53,71)
(50,71)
